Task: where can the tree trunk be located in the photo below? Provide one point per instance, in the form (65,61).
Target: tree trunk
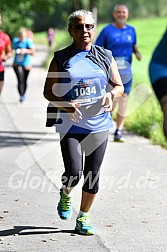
(91,4)
(77,4)
(93,8)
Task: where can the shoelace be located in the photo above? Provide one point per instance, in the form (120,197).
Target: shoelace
(84,220)
(65,202)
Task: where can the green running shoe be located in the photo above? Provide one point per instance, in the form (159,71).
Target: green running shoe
(64,207)
(119,140)
(83,226)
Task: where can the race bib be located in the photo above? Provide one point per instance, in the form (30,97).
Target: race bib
(86,91)
(19,58)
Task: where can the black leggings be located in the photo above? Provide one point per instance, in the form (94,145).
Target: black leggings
(82,152)
(22,75)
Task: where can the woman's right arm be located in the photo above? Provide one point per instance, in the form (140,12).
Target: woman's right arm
(51,79)
(51,85)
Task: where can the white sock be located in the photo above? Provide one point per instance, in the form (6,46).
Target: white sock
(81,212)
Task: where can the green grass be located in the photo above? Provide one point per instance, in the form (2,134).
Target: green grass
(144,113)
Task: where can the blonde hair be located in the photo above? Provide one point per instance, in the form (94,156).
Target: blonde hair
(22,30)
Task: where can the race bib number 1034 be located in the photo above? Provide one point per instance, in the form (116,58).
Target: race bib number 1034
(86,90)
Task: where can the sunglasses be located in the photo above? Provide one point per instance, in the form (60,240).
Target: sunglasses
(81,26)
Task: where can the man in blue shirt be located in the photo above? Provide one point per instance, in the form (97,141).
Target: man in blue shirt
(120,38)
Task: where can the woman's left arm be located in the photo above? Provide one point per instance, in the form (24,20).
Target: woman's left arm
(118,88)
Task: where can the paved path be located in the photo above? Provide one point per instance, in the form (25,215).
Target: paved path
(130,210)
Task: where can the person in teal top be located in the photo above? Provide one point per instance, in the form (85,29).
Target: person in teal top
(24,48)
(158,76)
(77,85)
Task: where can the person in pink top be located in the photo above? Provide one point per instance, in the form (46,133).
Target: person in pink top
(5,52)
(50,37)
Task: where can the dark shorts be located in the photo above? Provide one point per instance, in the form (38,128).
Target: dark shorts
(160,88)
(2,76)
(127,87)
(126,77)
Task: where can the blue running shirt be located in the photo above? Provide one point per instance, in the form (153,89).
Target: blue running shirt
(86,84)
(22,60)
(158,64)
(118,40)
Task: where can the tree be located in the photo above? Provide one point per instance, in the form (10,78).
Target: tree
(17,13)
(40,14)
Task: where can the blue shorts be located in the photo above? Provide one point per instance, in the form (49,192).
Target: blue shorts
(127,87)
(126,77)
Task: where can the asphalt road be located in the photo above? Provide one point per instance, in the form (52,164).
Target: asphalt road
(130,211)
